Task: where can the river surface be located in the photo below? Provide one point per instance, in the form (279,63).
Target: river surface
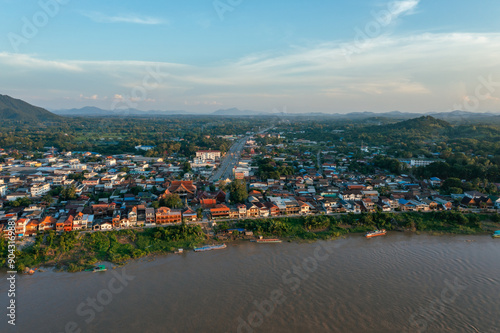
(397,283)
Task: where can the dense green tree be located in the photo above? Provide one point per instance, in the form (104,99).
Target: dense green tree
(136,190)
(172,200)
(48,199)
(19,202)
(238,191)
(451,182)
(78,176)
(68,193)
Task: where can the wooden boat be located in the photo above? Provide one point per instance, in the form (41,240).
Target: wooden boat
(263,240)
(375,233)
(209,248)
(267,240)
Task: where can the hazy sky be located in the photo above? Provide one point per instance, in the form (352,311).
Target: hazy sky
(298,56)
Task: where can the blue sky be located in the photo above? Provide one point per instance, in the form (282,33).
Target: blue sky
(203,55)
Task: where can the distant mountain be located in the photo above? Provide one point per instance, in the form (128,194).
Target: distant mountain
(392,116)
(85,111)
(18,110)
(353,115)
(424,124)
(462,115)
(91,111)
(238,112)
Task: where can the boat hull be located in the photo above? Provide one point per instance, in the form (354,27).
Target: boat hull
(210,248)
(265,241)
(376,233)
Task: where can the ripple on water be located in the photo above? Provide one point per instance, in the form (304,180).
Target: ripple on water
(363,286)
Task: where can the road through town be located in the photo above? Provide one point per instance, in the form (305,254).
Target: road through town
(231,159)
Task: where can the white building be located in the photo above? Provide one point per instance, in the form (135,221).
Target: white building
(39,189)
(110,162)
(418,162)
(212,155)
(16,195)
(78,167)
(242,170)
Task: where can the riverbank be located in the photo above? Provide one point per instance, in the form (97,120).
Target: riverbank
(76,252)
(328,226)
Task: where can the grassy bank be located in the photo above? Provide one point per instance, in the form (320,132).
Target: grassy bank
(78,251)
(329,226)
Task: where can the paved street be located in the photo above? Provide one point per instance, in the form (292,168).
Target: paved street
(231,159)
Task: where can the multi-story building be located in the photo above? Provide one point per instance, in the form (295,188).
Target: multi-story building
(80,221)
(252,210)
(32,227)
(165,215)
(150,215)
(21,227)
(38,190)
(78,167)
(211,155)
(110,161)
(132,216)
(48,223)
(189,215)
(141,214)
(417,162)
(220,211)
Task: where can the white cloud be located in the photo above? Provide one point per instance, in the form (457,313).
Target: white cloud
(27,61)
(426,72)
(406,7)
(123,18)
(94,97)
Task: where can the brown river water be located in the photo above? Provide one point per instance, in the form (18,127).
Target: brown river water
(397,283)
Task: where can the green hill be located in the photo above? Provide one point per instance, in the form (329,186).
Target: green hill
(17,110)
(425,124)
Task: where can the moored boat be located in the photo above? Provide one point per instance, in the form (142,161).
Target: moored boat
(375,233)
(99,268)
(496,234)
(179,251)
(268,240)
(210,247)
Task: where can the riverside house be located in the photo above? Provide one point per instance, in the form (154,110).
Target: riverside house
(220,211)
(48,223)
(165,215)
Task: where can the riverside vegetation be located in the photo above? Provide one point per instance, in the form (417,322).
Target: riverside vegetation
(78,251)
(330,226)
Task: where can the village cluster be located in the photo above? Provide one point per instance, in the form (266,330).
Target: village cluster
(123,191)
